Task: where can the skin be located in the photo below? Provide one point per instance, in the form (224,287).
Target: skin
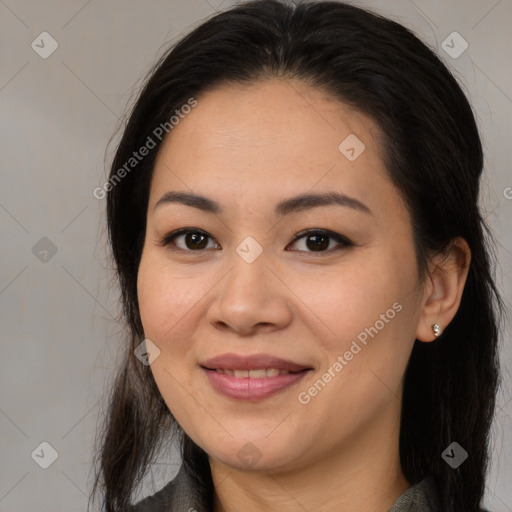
(249,147)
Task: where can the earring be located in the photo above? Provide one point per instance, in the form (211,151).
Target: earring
(437,329)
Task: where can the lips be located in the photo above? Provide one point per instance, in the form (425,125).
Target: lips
(254,362)
(252,377)
(260,373)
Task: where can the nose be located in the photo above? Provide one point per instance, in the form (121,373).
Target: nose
(251,298)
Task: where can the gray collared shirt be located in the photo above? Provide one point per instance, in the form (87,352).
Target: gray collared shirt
(182,495)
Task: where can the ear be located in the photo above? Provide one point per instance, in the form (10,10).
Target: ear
(443,289)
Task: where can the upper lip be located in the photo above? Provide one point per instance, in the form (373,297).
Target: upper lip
(251,362)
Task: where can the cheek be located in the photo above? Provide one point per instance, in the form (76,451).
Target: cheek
(165,298)
(152,294)
(345,300)
(368,314)
(172,306)
(168,307)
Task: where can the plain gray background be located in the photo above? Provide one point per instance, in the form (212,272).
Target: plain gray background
(59,311)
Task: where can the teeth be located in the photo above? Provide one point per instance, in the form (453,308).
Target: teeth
(260,373)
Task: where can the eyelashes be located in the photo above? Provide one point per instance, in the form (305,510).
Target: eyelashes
(199,240)
(199,236)
(319,236)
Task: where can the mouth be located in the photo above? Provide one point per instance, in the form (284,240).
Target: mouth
(254,362)
(252,377)
(259,373)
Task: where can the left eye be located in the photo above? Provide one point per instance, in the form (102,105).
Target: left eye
(314,240)
(319,241)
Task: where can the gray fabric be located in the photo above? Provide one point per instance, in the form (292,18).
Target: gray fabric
(421,497)
(182,495)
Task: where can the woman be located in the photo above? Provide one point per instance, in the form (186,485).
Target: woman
(304,270)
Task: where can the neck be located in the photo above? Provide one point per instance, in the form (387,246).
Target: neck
(360,475)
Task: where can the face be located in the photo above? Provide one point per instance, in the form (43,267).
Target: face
(284,326)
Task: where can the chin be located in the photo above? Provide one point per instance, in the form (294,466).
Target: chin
(247,455)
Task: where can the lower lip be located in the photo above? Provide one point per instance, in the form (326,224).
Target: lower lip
(247,388)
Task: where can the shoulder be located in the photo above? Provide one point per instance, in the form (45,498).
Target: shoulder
(421,497)
(180,494)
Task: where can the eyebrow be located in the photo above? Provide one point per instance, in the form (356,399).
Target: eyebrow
(286,207)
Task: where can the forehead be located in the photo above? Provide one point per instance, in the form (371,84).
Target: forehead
(269,139)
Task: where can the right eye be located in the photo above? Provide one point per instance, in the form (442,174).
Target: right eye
(192,240)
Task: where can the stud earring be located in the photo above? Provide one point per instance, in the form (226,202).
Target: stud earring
(437,329)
